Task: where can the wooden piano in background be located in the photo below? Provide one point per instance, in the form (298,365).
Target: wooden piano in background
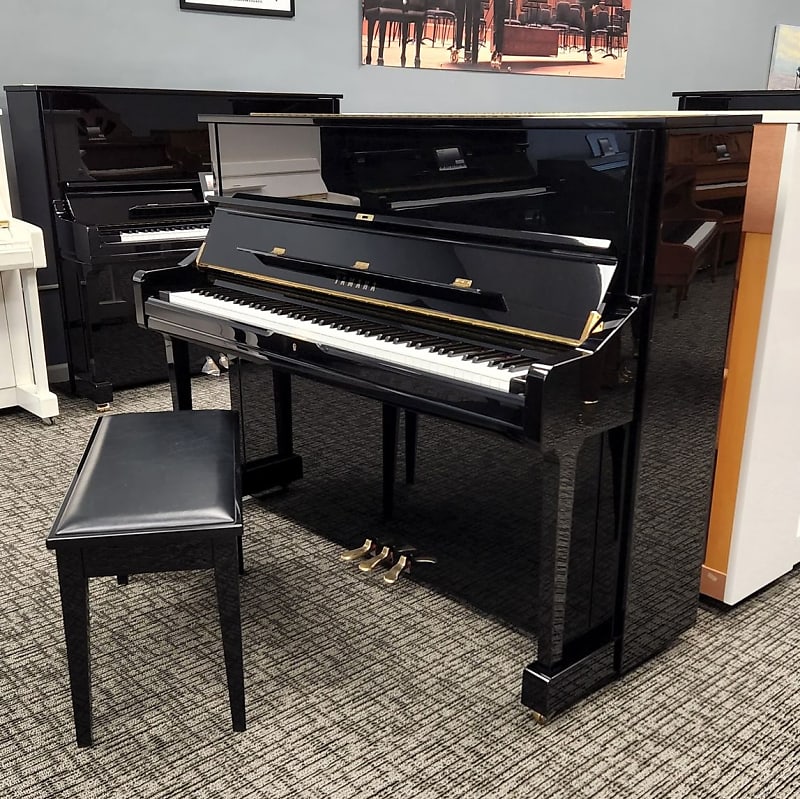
(753,531)
(23,373)
(705,186)
(494,274)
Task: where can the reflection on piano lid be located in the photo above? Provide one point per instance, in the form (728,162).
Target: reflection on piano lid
(554,293)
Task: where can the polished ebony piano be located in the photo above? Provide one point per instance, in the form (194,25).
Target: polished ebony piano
(113,176)
(497,273)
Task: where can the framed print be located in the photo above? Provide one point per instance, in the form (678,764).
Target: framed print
(270,8)
(582,39)
(784,70)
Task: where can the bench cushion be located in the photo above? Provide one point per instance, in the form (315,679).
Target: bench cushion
(150,473)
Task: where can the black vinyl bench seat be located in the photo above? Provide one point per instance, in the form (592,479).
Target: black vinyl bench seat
(153,492)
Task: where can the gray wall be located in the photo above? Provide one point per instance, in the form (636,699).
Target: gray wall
(680,45)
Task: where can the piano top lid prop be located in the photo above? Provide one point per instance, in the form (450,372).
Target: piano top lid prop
(553,292)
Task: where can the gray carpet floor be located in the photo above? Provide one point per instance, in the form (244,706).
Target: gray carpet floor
(354,689)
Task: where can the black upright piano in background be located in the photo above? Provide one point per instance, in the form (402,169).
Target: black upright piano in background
(111,175)
(495,277)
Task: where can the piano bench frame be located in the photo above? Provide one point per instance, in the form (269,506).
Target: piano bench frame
(115,521)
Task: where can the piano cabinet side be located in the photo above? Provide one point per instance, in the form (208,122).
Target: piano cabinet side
(753,526)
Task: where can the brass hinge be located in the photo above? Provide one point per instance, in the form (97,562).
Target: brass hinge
(278,251)
(365,217)
(361,265)
(462,283)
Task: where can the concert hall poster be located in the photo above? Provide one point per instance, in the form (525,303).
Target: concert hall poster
(581,39)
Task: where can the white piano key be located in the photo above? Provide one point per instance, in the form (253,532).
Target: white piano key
(179,234)
(701,235)
(398,354)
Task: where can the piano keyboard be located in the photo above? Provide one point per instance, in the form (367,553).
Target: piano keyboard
(163,234)
(420,352)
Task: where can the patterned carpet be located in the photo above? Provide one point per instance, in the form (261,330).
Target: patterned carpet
(354,689)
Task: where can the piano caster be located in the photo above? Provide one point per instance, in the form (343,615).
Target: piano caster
(103,407)
(48,420)
(454,55)
(393,575)
(497,60)
(380,61)
(359,552)
(370,563)
(539,718)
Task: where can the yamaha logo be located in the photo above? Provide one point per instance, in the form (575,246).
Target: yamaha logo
(361,285)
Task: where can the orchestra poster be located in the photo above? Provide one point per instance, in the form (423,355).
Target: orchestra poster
(784,71)
(583,38)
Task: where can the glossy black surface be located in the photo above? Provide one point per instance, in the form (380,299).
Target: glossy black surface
(745,100)
(512,289)
(92,162)
(605,544)
(121,517)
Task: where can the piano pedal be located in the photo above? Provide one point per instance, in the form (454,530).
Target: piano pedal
(210,367)
(393,575)
(370,563)
(359,552)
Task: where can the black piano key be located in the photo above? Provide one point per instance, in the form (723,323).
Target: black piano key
(486,355)
(508,363)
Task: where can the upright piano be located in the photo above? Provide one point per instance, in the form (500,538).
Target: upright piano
(23,374)
(496,272)
(113,177)
(753,526)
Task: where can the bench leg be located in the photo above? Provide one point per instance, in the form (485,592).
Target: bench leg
(226,577)
(74,589)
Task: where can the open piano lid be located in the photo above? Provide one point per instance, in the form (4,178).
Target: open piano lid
(530,285)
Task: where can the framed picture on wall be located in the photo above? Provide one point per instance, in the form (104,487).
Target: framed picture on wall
(269,8)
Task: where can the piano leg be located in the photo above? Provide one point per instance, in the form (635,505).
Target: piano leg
(268,459)
(282,395)
(411,445)
(559,678)
(391,419)
(180,382)
(391,426)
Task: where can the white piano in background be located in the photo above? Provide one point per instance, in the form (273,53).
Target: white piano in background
(754,525)
(23,372)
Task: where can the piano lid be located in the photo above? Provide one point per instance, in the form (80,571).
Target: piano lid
(550,291)
(141,204)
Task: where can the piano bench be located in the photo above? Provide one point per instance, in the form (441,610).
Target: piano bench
(153,492)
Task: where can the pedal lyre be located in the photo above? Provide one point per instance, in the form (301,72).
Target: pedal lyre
(355,554)
(370,563)
(393,575)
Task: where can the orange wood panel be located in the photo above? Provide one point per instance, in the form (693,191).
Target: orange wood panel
(765,174)
(739,377)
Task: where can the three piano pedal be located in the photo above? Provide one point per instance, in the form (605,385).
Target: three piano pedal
(215,368)
(397,560)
